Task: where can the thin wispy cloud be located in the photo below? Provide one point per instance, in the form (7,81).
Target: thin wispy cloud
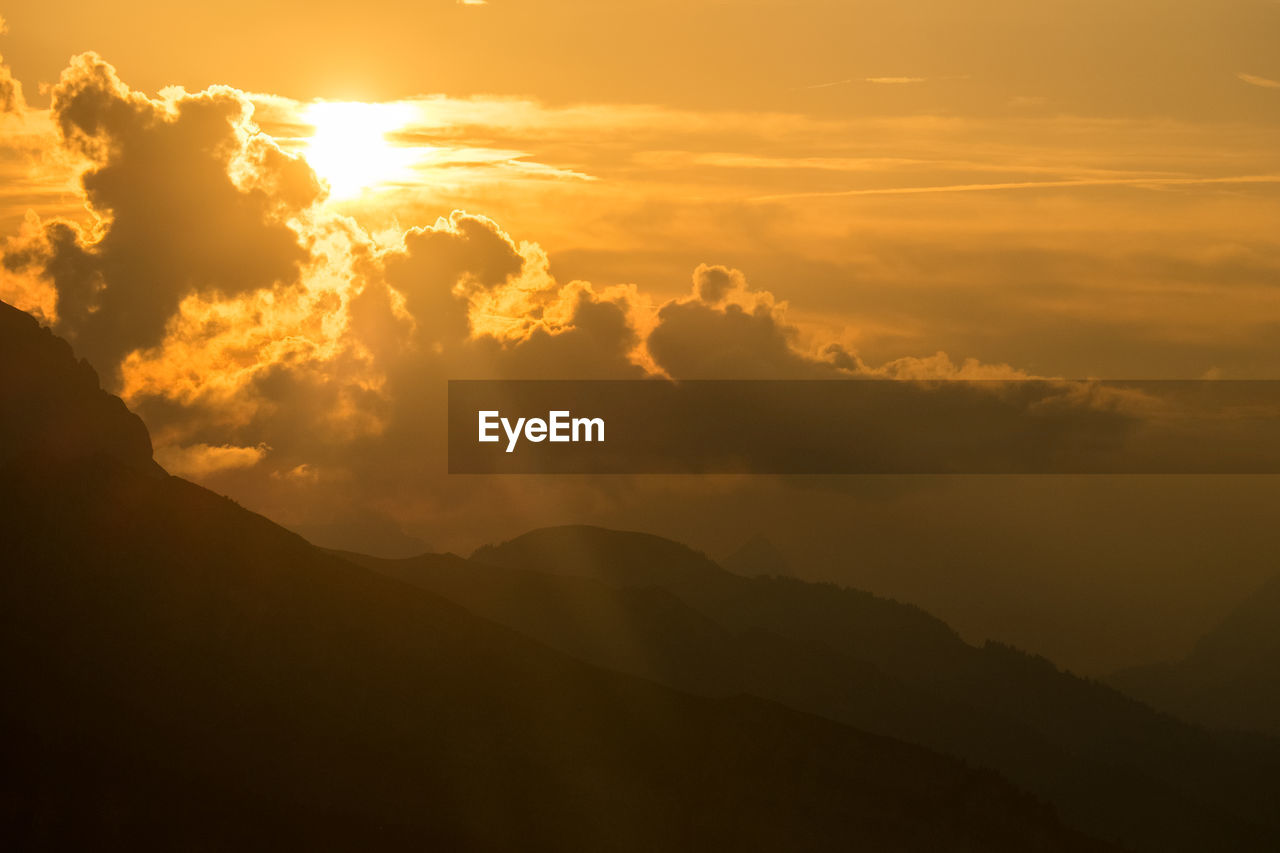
(1255,80)
(873,80)
(830,85)
(1027,185)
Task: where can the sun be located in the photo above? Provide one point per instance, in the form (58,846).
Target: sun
(349,147)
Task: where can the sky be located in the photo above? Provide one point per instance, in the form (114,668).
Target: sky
(275,230)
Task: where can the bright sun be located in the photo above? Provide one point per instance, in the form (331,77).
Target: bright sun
(349,147)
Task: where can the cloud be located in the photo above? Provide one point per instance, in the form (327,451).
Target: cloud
(29,285)
(201,460)
(939,366)
(186,196)
(891,81)
(55,251)
(1153,181)
(1254,80)
(713,285)
(725,330)
(829,85)
(441,267)
(595,338)
(1023,101)
(11,100)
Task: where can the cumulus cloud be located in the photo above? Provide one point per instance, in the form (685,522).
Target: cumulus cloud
(441,269)
(588,335)
(726,330)
(186,197)
(713,285)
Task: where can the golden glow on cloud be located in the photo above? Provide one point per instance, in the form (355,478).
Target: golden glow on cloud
(349,147)
(201,460)
(1255,80)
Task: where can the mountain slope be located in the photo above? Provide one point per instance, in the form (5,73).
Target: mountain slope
(51,407)
(181,673)
(1108,763)
(757,556)
(1231,679)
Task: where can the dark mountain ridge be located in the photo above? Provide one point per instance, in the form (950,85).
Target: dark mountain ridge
(639,604)
(52,406)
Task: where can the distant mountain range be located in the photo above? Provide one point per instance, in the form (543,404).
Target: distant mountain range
(1231,679)
(651,607)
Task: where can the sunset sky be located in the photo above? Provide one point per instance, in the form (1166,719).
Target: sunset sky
(871,163)
(276,229)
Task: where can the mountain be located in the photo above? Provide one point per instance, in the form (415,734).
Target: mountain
(52,406)
(650,607)
(367,532)
(1231,679)
(622,559)
(182,673)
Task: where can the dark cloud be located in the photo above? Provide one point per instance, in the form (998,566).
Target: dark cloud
(11,100)
(441,266)
(705,337)
(189,200)
(481,304)
(596,343)
(713,284)
(56,251)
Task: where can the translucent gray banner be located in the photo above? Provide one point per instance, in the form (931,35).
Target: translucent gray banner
(864,427)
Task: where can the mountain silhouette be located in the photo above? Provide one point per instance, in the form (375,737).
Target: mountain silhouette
(53,407)
(1231,679)
(182,673)
(651,607)
(619,558)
